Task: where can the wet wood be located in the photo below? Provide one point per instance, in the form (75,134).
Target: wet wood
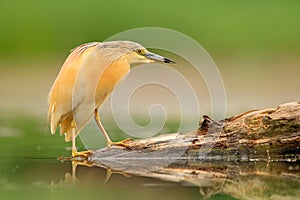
(265,134)
(253,155)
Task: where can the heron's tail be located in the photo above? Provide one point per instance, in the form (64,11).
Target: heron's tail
(65,123)
(52,117)
(66,128)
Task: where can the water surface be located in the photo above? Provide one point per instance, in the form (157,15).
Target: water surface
(30,170)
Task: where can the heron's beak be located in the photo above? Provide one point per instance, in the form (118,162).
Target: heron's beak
(157,58)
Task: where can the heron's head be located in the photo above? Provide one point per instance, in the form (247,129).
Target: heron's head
(134,52)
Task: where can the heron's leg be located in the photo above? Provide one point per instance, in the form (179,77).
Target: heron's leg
(97,119)
(74,166)
(75,153)
(74,150)
(108,140)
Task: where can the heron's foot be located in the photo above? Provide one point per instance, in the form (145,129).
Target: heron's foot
(123,143)
(84,163)
(110,172)
(82,154)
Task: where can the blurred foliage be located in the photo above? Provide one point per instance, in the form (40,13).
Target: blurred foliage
(32,27)
(40,28)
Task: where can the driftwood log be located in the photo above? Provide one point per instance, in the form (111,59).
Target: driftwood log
(220,156)
(267,134)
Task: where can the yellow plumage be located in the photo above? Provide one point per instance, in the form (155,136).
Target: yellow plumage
(60,98)
(88,76)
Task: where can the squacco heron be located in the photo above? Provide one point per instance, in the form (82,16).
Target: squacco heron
(88,76)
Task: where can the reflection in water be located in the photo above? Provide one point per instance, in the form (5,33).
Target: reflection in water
(242,180)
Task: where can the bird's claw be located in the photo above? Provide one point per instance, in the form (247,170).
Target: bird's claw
(110,172)
(82,154)
(121,143)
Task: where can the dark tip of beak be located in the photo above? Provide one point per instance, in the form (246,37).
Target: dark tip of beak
(166,60)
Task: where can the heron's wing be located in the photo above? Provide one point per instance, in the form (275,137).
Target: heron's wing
(86,85)
(74,93)
(61,93)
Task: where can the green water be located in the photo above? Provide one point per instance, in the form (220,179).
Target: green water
(30,170)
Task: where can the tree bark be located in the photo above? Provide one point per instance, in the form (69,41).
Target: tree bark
(267,134)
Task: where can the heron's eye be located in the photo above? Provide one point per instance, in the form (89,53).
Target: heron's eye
(138,51)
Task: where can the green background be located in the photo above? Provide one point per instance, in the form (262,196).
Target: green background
(31,28)
(255,44)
